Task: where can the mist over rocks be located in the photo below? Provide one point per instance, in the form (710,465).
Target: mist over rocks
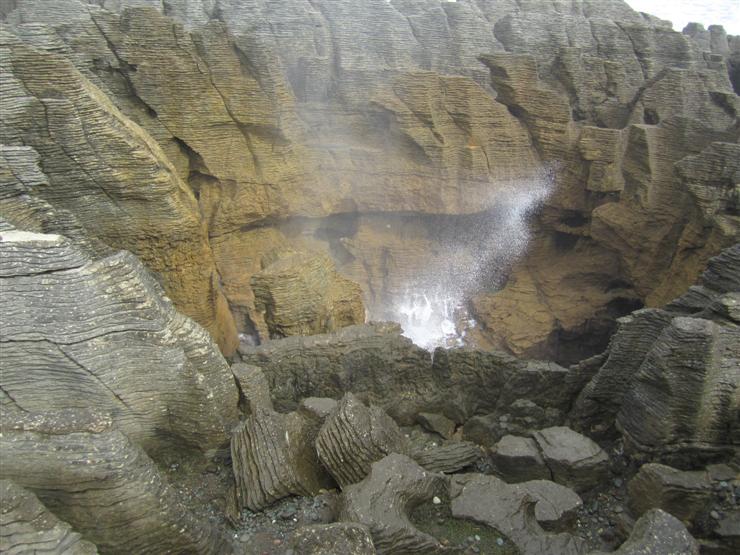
(205,206)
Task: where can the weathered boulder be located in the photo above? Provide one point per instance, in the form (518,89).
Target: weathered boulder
(332,539)
(383,500)
(355,436)
(512,509)
(573,459)
(273,457)
(518,459)
(92,476)
(437,423)
(451,456)
(686,495)
(26,526)
(254,388)
(301,294)
(124,350)
(659,533)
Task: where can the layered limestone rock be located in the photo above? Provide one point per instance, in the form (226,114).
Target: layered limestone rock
(670,377)
(353,437)
(382,501)
(28,526)
(92,476)
(98,333)
(273,456)
(303,295)
(283,118)
(112,176)
(380,366)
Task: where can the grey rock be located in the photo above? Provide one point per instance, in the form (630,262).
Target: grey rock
(658,533)
(318,408)
(511,509)
(353,437)
(92,476)
(683,494)
(332,539)
(728,529)
(518,459)
(273,457)
(27,526)
(573,459)
(483,430)
(253,387)
(452,456)
(124,350)
(382,500)
(436,423)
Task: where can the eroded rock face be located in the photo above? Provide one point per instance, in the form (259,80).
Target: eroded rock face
(296,127)
(670,377)
(92,476)
(273,457)
(353,437)
(92,333)
(28,526)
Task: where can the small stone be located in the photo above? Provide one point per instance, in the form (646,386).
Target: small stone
(499,541)
(618,509)
(436,500)
(475,549)
(724,485)
(477,538)
(470,539)
(440,521)
(714,515)
(618,482)
(277,541)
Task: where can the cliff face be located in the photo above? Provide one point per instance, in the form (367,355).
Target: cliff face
(213,135)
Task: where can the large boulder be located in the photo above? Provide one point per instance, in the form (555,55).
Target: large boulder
(382,502)
(684,494)
(573,459)
(355,436)
(518,459)
(659,533)
(273,457)
(125,350)
(26,526)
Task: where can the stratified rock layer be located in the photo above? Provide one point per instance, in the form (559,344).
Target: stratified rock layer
(92,476)
(79,332)
(273,457)
(26,526)
(353,437)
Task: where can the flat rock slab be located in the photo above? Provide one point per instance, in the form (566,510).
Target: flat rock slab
(658,533)
(512,509)
(574,460)
(518,459)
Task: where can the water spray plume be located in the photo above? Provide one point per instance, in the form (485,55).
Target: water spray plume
(432,310)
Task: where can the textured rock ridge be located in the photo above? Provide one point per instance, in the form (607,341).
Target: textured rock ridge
(92,476)
(670,379)
(28,526)
(273,457)
(353,437)
(98,333)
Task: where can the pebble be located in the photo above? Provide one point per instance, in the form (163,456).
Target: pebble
(436,500)
(499,541)
(714,515)
(618,509)
(724,485)
(477,538)
(618,482)
(440,521)
(475,549)
(277,541)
